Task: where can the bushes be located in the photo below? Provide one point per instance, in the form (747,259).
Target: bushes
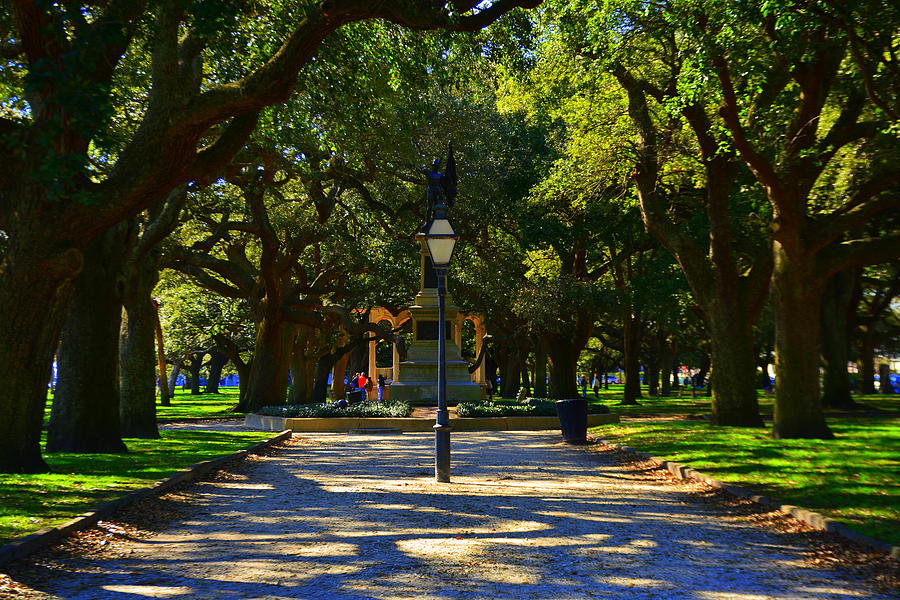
(531,407)
(364,409)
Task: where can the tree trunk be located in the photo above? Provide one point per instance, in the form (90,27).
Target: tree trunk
(173,381)
(217,362)
(510,372)
(303,367)
(836,305)
(36,285)
(632,344)
(866,359)
(324,367)
(884,379)
(192,369)
(270,365)
(359,359)
(166,389)
(702,375)
(765,359)
(227,346)
(85,412)
(562,354)
(667,364)
(651,374)
(339,373)
(734,399)
(303,378)
(540,371)
(798,405)
(137,359)
(604,369)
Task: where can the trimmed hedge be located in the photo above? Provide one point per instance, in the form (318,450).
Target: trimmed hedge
(532,407)
(364,409)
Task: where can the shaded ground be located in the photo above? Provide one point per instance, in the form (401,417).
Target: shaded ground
(360,517)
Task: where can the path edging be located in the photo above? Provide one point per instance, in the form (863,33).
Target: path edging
(23,546)
(811,518)
(412,424)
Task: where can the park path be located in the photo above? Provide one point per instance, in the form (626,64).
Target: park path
(358,517)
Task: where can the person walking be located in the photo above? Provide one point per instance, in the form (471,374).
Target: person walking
(582,381)
(381,384)
(595,385)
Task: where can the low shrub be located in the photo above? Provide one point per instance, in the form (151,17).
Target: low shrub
(531,407)
(363,409)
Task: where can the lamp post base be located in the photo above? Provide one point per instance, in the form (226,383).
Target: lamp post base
(442,453)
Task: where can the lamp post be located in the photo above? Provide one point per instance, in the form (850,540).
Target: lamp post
(440,239)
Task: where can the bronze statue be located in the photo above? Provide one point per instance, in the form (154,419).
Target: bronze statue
(441,190)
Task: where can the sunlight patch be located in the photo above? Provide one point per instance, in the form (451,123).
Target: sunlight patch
(150,591)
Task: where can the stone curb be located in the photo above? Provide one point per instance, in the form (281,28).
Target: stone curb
(813,519)
(24,546)
(344,424)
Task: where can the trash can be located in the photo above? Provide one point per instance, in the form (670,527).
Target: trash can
(573,420)
(354,396)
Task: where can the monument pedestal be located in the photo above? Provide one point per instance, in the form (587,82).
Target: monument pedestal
(417,379)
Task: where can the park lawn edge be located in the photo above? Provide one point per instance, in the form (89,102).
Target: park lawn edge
(876,531)
(24,541)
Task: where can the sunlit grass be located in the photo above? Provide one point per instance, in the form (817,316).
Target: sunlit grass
(186,406)
(683,403)
(81,481)
(853,478)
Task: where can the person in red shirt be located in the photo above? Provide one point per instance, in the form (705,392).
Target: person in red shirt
(362,384)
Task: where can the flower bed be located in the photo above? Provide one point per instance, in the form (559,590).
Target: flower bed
(530,407)
(363,409)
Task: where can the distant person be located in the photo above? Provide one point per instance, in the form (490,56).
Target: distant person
(361,384)
(368,386)
(489,387)
(595,385)
(582,381)
(382,382)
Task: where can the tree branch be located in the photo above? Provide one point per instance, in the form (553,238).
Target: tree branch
(858,253)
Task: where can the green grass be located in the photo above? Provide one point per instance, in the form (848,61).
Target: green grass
(700,404)
(853,479)
(204,406)
(80,481)
(185,406)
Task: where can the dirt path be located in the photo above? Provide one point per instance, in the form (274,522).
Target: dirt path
(354,517)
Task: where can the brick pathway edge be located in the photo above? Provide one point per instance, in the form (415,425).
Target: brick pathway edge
(811,518)
(23,546)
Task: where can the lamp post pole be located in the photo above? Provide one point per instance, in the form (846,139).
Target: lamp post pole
(440,240)
(442,420)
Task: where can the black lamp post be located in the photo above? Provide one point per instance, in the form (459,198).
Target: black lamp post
(440,239)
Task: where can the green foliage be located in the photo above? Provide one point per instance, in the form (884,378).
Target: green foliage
(362,410)
(80,481)
(533,407)
(851,479)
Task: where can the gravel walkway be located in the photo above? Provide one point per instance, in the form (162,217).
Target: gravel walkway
(354,517)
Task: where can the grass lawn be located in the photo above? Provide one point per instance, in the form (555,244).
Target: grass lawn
(700,405)
(185,406)
(854,479)
(80,481)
